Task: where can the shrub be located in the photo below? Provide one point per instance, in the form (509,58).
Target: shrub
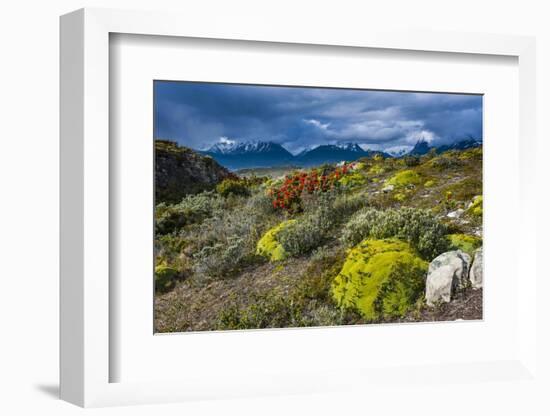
(304,235)
(271,310)
(314,228)
(288,195)
(411,161)
(192,209)
(165,277)
(464,242)
(404,178)
(269,246)
(233,187)
(353,180)
(377,169)
(225,243)
(381,279)
(309,303)
(418,227)
(430,183)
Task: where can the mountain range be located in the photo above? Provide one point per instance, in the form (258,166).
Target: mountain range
(257,154)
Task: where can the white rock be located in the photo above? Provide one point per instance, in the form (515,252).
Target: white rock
(388,188)
(456,214)
(446,273)
(476,271)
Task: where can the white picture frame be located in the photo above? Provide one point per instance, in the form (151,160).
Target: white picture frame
(86,355)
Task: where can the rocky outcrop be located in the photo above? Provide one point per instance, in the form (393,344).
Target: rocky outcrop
(476,271)
(180,171)
(447,273)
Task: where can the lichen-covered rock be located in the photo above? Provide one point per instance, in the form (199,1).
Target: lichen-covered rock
(380,279)
(476,271)
(456,214)
(269,247)
(447,273)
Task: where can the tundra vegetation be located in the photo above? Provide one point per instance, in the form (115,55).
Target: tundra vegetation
(338,244)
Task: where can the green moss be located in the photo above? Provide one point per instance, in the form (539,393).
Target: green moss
(476,209)
(269,247)
(377,169)
(464,242)
(353,180)
(400,196)
(359,166)
(429,184)
(380,279)
(404,178)
(165,277)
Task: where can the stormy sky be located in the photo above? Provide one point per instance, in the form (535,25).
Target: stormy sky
(199,115)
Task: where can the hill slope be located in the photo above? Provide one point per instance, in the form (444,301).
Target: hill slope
(180,171)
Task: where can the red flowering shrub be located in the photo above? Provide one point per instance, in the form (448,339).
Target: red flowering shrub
(288,196)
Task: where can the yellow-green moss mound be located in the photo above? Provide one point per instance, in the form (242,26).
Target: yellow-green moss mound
(269,247)
(352,180)
(404,178)
(476,208)
(380,279)
(464,242)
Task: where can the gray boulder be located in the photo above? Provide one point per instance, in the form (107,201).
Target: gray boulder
(447,273)
(456,214)
(476,271)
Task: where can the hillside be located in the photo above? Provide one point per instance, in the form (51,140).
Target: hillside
(295,250)
(180,171)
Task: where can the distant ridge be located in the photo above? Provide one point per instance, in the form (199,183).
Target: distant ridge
(422,147)
(264,154)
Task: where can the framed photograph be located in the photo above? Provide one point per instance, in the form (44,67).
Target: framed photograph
(269,212)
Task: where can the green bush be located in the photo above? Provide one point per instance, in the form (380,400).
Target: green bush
(418,227)
(318,223)
(381,279)
(233,187)
(192,209)
(304,235)
(165,277)
(309,303)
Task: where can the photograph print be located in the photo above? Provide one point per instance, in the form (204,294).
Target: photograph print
(287,206)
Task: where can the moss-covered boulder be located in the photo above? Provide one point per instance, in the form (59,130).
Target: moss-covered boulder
(380,279)
(465,242)
(269,247)
(404,178)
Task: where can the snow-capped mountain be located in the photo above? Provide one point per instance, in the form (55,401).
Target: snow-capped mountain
(332,153)
(422,147)
(250,154)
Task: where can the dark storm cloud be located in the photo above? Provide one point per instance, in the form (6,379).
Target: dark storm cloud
(200,114)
